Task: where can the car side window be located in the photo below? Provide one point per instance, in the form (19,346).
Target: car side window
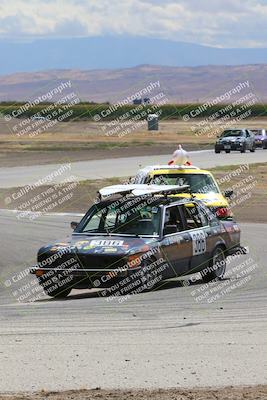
(172,218)
(194,216)
(247,134)
(139,178)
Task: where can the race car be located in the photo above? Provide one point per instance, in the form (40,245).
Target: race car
(260,137)
(235,139)
(131,243)
(201,182)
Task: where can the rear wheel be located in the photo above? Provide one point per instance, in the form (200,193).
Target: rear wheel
(217,266)
(217,151)
(227,151)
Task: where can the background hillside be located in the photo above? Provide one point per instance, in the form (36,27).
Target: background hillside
(179,84)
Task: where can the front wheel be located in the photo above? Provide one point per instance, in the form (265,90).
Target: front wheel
(217,266)
(244,148)
(252,150)
(217,151)
(149,274)
(227,151)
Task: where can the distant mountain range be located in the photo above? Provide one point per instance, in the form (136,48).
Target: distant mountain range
(178,84)
(117,52)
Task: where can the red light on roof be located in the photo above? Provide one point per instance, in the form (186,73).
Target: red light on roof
(223,212)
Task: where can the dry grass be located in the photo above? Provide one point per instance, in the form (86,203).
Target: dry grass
(86,132)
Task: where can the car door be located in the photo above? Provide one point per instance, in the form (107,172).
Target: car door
(202,242)
(176,246)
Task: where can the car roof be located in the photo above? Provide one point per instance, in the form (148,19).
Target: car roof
(258,129)
(166,166)
(235,129)
(172,169)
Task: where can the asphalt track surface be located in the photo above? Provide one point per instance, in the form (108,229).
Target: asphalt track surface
(118,167)
(164,338)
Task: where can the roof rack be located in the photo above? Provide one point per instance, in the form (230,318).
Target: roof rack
(161,189)
(142,190)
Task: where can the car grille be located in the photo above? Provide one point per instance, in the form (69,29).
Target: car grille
(101,261)
(86,261)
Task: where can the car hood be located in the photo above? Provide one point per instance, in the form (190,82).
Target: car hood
(107,245)
(210,199)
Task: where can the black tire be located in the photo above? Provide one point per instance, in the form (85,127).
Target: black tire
(265,146)
(215,272)
(141,280)
(217,151)
(244,148)
(253,149)
(227,151)
(149,274)
(147,278)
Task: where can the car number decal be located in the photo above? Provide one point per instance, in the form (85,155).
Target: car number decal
(106,243)
(198,242)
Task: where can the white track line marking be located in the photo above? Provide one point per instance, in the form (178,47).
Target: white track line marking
(45,214)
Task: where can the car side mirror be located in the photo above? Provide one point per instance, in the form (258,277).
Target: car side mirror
(228,193)
(74,225)
(169,229)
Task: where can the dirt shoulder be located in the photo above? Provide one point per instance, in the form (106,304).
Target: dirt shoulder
(47,153)
(248,182)
(88,140)
(229,393)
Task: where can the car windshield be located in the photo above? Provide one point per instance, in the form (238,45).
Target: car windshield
(199,183)
(235,133)
(130,218)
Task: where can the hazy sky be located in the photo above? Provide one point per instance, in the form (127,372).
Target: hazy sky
(222,23)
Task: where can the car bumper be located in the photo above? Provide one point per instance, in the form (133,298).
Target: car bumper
(261,143)
(81,272)
(229,146)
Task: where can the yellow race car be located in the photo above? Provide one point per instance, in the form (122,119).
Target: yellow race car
(201,182)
